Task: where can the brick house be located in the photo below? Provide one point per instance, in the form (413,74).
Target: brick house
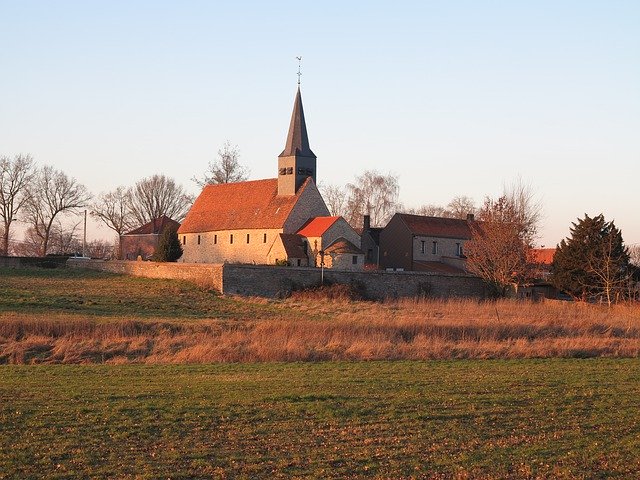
(421,243)
(142,241)
(259,221)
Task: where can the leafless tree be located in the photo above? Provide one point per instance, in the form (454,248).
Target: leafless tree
(53,193)
(460,207)
(501,241)
(16,174)
(113,209)
(607,264)
(158,195)
(64,239)
(372,194)
(429,210)
(336,199)
(634,254)
(226,169)
(101,249)
(30,246)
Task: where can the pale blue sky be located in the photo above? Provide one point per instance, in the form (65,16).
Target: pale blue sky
(457,98)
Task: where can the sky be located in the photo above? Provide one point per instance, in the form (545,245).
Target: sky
(453,97)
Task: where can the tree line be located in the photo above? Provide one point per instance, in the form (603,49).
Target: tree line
(592,263)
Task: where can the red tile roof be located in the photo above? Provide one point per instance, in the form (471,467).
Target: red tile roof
(543,256)
(155,226)
(315,227)
(437,267)
(233,206)
(436,226)
(342,246)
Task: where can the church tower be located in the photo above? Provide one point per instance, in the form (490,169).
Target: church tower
(297,161)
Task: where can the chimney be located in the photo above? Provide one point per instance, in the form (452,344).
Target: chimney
(366,224)
(470,217)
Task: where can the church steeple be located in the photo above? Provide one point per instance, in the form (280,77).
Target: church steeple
(297,139)
(297,161)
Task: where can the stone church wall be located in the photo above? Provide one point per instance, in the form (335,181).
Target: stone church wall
(270,281)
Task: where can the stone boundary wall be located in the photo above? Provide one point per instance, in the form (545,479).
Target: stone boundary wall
(272,282)
(53,261)
(209,275)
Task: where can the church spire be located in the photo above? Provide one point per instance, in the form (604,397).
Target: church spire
(297,162)
(297,139)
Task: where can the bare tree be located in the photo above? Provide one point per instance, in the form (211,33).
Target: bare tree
(64,239)
(113,209)
(336,199)
(500,247)
(608,265)
(158,195)
(634,254)
(53,193)
(460,207)
(429,210)
(372,194)
(15,177)
(30,246)
(226,169)
(101,249)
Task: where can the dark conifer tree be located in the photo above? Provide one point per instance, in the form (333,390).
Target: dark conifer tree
(592,262)
(169,248)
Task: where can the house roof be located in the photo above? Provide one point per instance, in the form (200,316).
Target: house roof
(342,245)
(297,139)
(242,205)
(316,226)
(293,245)
(155,226)
(436,226)
(543,256)
(436,267)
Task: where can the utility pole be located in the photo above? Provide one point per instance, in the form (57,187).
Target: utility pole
(84,237)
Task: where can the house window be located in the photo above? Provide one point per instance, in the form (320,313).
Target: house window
(423,248)
(247,238)
(198,239)
(231,238)
(434,248)
(354,260)
(215,239)
(184,239)
(459,249)
(298,262)
(264,238)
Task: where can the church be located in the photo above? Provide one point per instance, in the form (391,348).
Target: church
(276,221)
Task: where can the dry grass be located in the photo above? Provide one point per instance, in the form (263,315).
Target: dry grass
(332,330)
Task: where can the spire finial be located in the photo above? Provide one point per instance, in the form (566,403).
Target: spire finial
(299,66)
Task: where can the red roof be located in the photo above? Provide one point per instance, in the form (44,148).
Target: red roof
(437,267)
(543,256)
(315,227)
(233,206)
(436,226)
(155,226)
(342,246)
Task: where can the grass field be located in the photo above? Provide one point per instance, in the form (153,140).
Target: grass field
(168,411)
(435,419)
(74,316)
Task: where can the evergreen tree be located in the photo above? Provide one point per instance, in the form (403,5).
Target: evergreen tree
(592,262)
(169,248)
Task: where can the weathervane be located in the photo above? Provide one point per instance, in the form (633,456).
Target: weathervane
(299,66)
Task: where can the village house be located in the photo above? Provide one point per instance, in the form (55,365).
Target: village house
(281,220)
(421,243)
(143,241)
